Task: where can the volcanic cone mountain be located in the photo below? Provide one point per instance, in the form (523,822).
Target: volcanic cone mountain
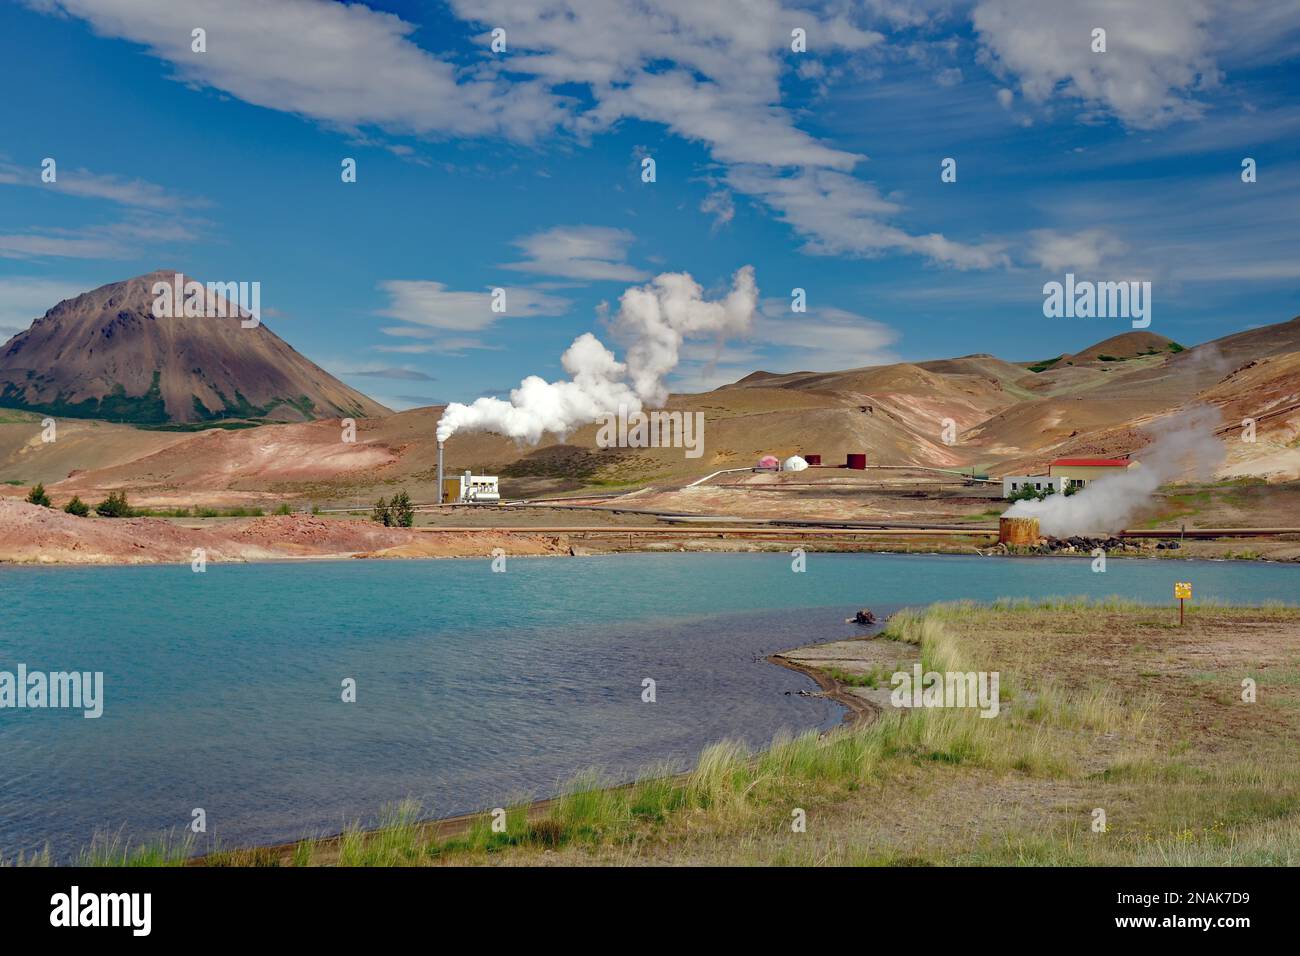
(104,354)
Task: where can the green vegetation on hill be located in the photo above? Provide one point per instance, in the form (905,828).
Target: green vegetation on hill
(116,406)
(242,408)
(150,411)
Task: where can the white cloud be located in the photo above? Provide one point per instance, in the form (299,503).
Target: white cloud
(1157,59)
(404,374)
(451,320)
(342,64)
(88,185)
(719,204)
(709,72)
(841,215)
(823,339)
(595,253)
(40,245)
(434,306)
(123,239)
(1083,251)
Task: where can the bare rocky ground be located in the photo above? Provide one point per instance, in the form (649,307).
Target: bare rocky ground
(35,535)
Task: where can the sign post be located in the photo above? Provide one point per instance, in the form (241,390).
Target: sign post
(1182,591)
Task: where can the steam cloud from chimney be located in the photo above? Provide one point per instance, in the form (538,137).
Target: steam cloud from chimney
(654,319)
(1184,447)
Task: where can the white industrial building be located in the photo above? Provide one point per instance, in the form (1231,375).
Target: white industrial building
(470,489)
(1040,483)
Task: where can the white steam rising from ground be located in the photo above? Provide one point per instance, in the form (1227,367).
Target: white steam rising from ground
(1184,447)
(655,319)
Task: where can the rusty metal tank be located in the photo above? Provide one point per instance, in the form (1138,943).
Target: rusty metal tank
(1022,532)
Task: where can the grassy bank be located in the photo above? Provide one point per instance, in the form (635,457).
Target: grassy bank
(1106,705)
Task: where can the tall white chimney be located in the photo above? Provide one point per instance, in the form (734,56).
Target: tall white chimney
(439,472)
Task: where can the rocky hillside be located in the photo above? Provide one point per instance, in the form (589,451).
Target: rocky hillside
(106,355)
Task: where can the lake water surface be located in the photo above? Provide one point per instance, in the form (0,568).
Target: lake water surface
(223,689)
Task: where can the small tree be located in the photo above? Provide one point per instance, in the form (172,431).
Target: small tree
(77,507)
(114,506)
(382,513)
(37,496)
(402,512)
(1027,493)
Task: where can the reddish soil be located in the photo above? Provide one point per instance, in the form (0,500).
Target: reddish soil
(33,535)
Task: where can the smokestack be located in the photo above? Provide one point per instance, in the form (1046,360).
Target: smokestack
(439,472)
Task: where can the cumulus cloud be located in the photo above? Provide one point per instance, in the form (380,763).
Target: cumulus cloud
(707,72)
(1082,251)
(343,64)
(1158,53)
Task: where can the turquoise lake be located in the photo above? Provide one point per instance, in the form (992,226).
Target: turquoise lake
(222,690)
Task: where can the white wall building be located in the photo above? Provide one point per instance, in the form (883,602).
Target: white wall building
(1041,483)
(470,489)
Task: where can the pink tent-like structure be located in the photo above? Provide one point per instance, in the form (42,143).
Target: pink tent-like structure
(768,463)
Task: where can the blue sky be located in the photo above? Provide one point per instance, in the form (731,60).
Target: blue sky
(522,170)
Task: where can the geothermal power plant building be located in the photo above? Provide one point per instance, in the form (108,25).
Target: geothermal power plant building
(1066,473)
(1080,471)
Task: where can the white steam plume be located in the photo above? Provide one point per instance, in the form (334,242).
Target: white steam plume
(1185,446)
(655,319)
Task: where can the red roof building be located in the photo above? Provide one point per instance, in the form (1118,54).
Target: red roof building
(1089,463)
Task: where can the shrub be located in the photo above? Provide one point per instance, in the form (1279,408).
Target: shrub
(77,507)
(284,509)
(114,506)
(1027,493)
(37,496)
(403,514)
(382,513)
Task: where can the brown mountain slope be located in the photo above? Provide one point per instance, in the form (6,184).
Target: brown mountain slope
(1126,345)
(892,413)
(105,355)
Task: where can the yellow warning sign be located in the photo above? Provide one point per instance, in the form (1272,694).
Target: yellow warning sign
(1183,590)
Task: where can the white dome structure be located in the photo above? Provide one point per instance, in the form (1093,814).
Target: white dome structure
(794,463)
